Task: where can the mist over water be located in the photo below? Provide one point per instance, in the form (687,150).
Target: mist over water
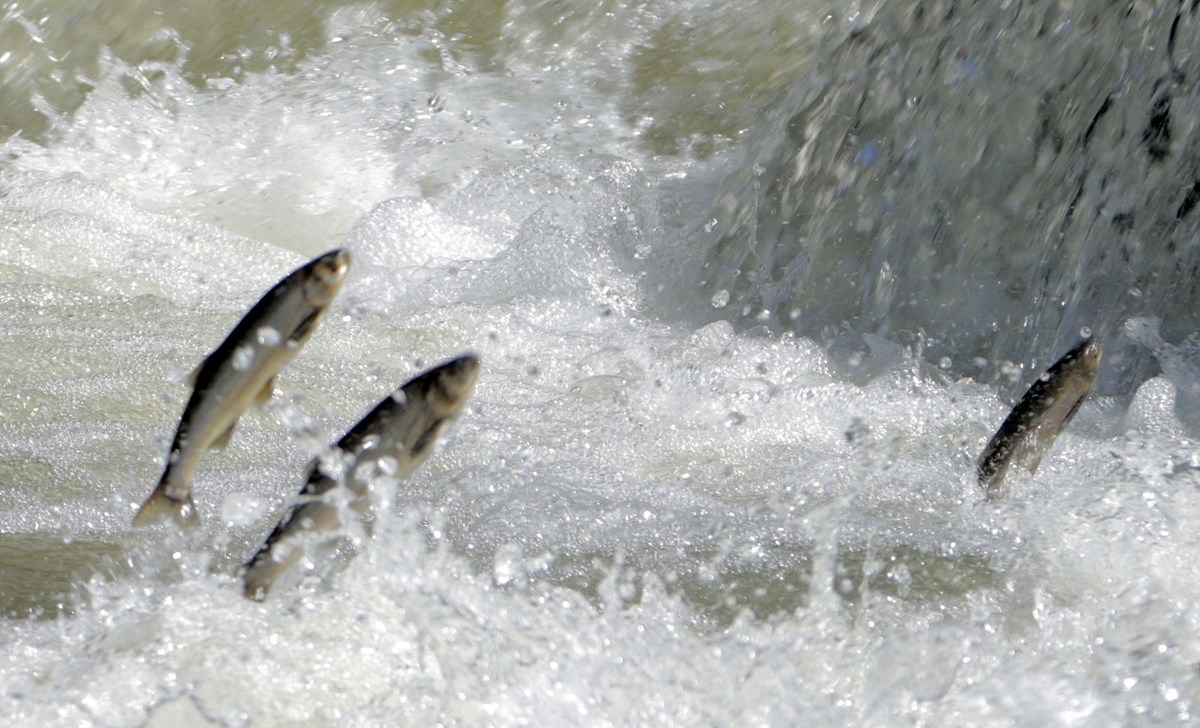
(751,292)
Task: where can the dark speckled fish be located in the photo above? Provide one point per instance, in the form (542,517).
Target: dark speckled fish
(393,438)
(1037,419)
(239,373)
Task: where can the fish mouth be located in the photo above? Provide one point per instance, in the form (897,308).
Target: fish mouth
(1087,357)
(328,274)
(336,264)
(455,382)
(464,370)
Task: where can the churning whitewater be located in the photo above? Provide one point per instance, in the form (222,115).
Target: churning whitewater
(748,296)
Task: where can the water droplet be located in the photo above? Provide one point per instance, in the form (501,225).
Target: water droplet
(268,336)
(243,357)
(506,564)
(388,466)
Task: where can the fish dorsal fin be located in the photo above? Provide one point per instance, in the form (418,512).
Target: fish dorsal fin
(264,394)
(222,440)
(194,376)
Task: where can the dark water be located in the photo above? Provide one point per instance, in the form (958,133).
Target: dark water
(988,178)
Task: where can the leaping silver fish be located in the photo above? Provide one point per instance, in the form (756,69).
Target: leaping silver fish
(1034,423)
(403,428)
(241,372)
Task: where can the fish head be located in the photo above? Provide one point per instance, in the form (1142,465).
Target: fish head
(453,384)
(1092,354)
(325,277)
(1083,362)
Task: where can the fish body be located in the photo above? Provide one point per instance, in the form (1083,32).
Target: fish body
(239,373)
(394,438)
(1029,431)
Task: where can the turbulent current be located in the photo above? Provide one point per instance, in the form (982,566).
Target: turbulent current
(752,288)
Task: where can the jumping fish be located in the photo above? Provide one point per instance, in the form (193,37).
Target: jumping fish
(395,437)
(1031,428)
(241,372)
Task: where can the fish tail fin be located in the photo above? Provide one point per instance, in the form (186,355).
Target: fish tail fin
(160,505)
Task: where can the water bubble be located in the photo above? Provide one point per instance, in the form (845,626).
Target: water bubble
(1085,332)
(720,299)
(945,363)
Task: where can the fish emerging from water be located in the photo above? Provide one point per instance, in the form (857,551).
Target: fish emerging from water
(1034,423)
(393,439)
(241,372)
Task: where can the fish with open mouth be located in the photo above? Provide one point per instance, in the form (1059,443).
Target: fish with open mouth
(1041,414)
(239,373)
(393,439)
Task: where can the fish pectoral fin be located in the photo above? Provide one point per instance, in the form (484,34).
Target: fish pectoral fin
(301,333)
(264,394)
(194,376)
(222,440)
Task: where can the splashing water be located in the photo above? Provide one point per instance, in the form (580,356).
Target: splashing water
(713,472)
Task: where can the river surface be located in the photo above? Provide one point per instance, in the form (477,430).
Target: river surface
(751,288)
